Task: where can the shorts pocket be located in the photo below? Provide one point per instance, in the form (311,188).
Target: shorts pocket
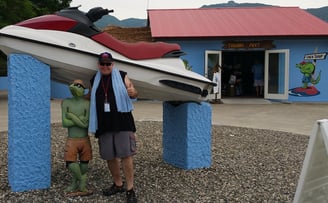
(133,144)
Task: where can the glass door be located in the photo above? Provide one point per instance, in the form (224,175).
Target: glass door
(213,58)
(276,74)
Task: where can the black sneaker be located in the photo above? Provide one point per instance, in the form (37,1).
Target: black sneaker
(113,190)
(131,196)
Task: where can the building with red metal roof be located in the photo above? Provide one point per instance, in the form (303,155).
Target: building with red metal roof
(291,43)
(235,22)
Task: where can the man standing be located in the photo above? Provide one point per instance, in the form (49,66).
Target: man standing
(112,122)
(258,73)
(217,80)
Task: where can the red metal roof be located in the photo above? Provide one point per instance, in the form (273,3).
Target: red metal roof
(235,22)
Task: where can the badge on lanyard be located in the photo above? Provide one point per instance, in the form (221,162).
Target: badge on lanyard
(106,107)
(105,88)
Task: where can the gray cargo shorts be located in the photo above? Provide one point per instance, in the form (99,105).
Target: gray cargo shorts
(117,145)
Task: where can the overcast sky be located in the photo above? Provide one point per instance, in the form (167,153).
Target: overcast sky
(138,8)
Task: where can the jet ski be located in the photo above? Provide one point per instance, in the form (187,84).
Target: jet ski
(69,42)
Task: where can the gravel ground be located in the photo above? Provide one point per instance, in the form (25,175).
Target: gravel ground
(248,165)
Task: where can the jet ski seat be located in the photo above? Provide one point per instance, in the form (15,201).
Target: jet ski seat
(80,24)
(139,50)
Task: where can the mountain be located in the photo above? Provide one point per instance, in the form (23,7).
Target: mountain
(108,20)
(234,4)
(319,12)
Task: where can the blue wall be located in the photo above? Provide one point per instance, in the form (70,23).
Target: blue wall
(3,83)
(59,90)
(195,52)
(298,48)
(195,55)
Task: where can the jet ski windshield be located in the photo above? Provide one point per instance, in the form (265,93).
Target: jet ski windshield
(85,21)
(69,20)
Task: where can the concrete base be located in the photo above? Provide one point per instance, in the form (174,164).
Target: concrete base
(187,135)
(29,140)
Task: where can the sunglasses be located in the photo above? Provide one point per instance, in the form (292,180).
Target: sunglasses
(105,64)
(78,85)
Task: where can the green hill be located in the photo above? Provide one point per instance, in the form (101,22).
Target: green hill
(321,13)
(234,4)
(108,20)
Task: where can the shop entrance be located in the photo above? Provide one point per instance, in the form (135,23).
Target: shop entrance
(239,64)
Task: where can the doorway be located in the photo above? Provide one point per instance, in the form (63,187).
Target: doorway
(239,64)
(277,74)
(212,59)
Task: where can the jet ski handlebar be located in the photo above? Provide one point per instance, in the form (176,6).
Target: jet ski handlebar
(96,13)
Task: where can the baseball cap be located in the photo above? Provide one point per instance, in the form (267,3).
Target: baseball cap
(105,57)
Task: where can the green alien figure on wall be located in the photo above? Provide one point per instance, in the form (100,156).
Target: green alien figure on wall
(308,69)
(310,78)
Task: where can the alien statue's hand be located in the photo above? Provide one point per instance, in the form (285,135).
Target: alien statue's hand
(84,119)
(69,115)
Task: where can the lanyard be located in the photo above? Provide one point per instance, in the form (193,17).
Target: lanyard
(105,88)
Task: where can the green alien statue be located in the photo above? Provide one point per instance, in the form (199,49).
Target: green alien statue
(78,151)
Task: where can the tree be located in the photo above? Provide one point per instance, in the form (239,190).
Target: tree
(14,11)
(49,6)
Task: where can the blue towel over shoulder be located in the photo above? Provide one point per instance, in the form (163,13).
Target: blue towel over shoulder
(123,101)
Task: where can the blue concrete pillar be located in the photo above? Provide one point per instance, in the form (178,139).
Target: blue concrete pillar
(187,134)
(29,143)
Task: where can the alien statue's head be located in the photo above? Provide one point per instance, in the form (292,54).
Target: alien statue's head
(77,88)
